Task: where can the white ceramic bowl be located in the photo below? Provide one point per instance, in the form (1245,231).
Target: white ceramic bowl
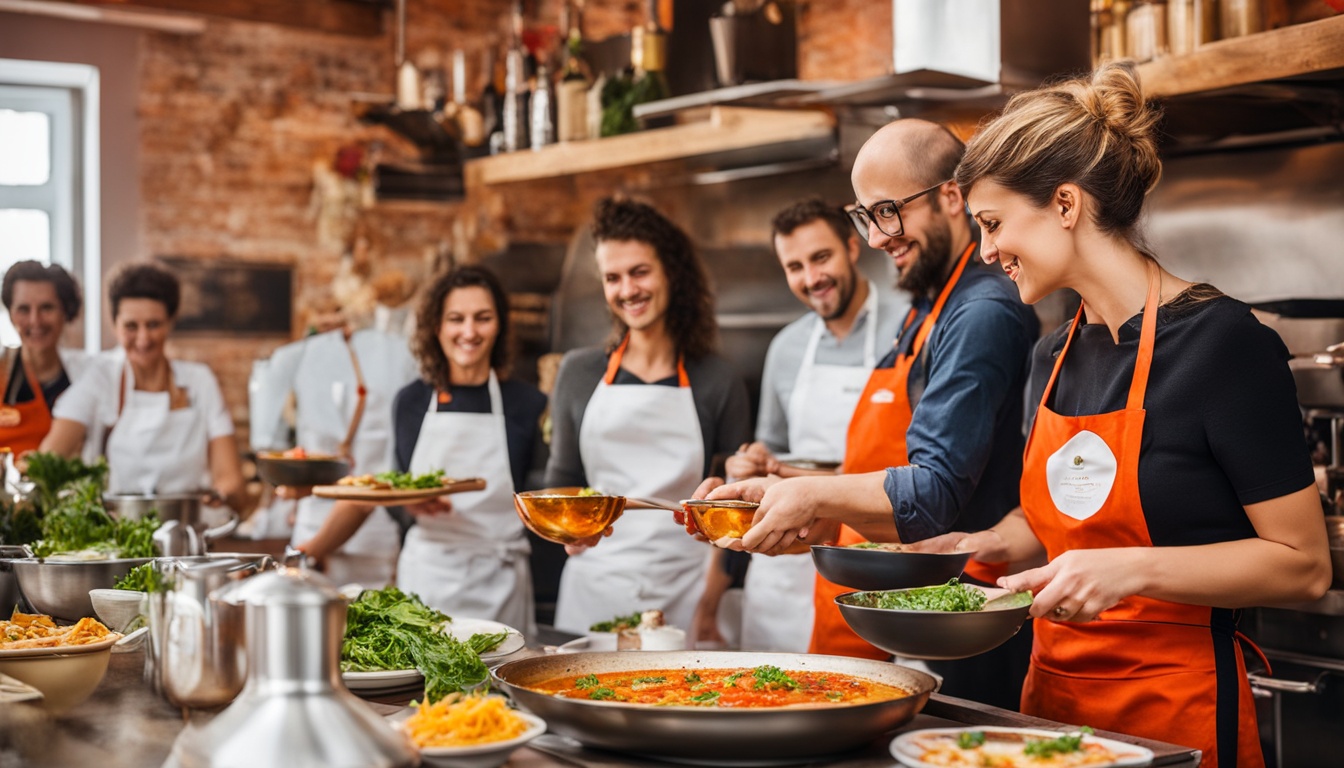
(486,755)
(66,676)
(116,608)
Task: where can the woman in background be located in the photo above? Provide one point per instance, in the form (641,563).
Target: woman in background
(40,300)
(162,423)
(466,555)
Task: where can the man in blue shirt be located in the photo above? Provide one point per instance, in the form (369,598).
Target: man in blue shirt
(935,443)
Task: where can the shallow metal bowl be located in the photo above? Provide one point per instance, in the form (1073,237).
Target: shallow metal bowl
(61,589)
(711,735)
(318,470)
(875,569)
(562,516)
(935,635)
(722,517)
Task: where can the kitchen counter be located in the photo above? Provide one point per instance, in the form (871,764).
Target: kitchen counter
(125,725)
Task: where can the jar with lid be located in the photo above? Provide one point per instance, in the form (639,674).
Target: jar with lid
(1147,30)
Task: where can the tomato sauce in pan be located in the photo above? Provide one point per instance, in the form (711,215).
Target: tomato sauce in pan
(764,686)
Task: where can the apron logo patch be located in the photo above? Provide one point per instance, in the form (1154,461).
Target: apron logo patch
(1080,475)
(883,396)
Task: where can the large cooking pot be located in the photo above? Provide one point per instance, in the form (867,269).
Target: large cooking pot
(711,735)
(61,588)
(185,509)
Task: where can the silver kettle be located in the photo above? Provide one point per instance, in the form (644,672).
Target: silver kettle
(294,711)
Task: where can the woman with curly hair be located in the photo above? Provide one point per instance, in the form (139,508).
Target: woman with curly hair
(643,415)
(465,555)
(40,299)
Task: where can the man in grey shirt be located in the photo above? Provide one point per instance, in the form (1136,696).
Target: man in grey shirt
(815,370)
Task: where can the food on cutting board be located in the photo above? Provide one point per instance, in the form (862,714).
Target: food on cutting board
(398,481)
(763,686)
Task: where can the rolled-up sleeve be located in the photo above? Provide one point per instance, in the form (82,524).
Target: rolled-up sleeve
(977,358)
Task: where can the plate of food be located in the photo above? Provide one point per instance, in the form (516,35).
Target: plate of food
(467,731)
(973,747)
(495,640)
(947,621)
(299,467)
(397,487)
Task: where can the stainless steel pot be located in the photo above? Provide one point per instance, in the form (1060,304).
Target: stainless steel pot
(61,589)
(711,735)
(185,509)
(197,655)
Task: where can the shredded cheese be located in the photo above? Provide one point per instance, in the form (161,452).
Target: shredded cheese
(464,721)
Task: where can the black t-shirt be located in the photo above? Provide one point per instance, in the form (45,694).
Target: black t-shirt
(21,392)
(523,406)
(1222,428)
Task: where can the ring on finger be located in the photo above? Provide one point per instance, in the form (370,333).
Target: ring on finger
(1060,611)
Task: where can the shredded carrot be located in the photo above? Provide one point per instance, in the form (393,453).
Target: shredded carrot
(464,721)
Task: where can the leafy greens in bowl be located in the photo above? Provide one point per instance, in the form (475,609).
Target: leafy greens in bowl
(948,621)
(388,629)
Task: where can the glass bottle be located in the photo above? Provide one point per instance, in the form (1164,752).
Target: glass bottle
(543,126)
(572,90)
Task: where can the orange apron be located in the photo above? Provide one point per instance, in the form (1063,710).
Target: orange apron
(1145,667)
(23,425)
(875,441)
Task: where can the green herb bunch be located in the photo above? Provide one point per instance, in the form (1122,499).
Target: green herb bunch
(142,578)
(388,629)
(407,481)
(51,473)
(79,522)
(952,596)
(618,623)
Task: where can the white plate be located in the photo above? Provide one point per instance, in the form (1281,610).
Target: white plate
(463,629)
(909,748)
(382,680)
(60,650)
(577,645)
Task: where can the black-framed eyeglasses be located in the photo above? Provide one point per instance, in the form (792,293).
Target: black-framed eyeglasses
(885,214)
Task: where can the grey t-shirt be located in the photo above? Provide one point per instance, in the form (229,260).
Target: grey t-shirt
(720,401)
(785,358)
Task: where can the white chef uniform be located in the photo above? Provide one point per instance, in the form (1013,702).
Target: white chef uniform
(322,376)
(473,561)
(777,598)
(638,440)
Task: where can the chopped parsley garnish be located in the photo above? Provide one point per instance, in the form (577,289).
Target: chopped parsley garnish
(617,624)
(1069,742)
(586,682)
(773,678)
(601,694)
(952,596)
(708,697)
(692,678)
(970,739)
(648,680)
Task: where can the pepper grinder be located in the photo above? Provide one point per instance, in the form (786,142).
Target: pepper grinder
(294,711)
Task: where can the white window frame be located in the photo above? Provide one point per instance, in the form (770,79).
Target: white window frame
(86,225)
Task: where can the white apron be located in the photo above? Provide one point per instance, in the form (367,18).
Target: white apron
(326,386)
(638,440)
(471,562)
(154,450)
(777,603)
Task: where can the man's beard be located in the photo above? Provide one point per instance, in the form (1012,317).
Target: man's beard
(845,287)
(927,273)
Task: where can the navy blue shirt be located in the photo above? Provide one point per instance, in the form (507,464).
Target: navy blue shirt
(965,438)
(523,406)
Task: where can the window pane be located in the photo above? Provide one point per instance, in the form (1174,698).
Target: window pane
(25,148)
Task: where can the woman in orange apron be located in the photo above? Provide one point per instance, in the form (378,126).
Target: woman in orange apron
(1165,477)
(40,300)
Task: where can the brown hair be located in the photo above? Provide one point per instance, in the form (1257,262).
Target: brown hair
(810,210)
(690,312)
(67,290)
(144,280)
(1097,132)
(429,316)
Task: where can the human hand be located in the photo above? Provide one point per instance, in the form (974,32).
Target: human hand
(293,492)
(705,627)
(988,546)
(786,514)
(439,505)
(685,519)
(752,460)
(1081,583)
(583,545)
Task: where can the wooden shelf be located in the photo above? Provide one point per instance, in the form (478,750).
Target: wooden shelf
(1300,49)
(727,129)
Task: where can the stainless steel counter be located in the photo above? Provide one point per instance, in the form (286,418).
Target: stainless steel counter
(125,725)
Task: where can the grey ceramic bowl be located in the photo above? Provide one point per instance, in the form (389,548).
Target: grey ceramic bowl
(278,470)
(936,635)
(876,569)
